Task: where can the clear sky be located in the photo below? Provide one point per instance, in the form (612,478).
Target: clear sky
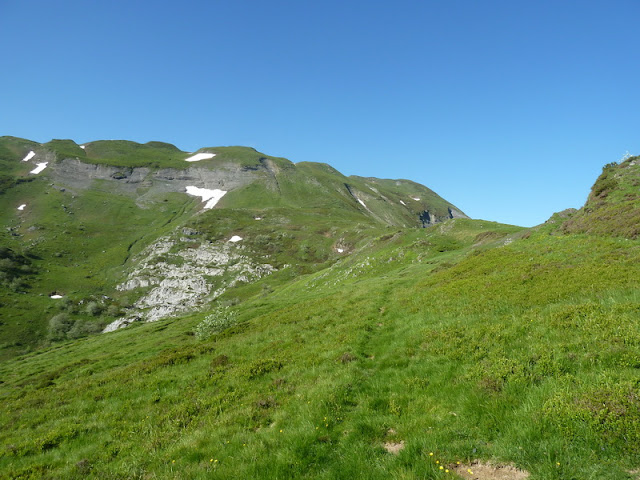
(508,109)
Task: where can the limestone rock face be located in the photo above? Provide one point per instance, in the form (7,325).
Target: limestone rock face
(76,174)
(174,279)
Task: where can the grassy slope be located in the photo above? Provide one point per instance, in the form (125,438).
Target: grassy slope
(526,352)
(613,206)
(466,340)
(76,244)
(80,243)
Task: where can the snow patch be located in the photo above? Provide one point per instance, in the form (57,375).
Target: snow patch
(417,199)
(21,207)
(29,156)
(212,197)
(235,239)
(200,156)
(340,250)
(257,218)
(362,203)
(56,296)
(403,203)
(82,147)
(40,167)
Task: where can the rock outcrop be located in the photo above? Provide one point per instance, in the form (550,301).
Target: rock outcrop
(174,276)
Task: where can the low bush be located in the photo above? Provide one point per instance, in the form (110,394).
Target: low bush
(221,319)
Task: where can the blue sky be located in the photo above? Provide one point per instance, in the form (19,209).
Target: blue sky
(507,109)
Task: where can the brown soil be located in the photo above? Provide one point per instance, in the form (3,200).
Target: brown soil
(486,471)
(393,447)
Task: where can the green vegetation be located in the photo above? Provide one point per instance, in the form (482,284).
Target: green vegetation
(613,207)
(461,341)
(523,353)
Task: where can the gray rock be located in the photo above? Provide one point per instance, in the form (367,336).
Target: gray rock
(185,280)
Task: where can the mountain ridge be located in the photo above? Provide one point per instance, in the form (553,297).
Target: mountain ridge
(236,164)
(94,208)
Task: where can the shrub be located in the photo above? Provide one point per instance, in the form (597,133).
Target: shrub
(94,309)
(221,319)
(59,326)
(82,328)
(62,327)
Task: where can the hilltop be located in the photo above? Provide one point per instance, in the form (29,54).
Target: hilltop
(374,348)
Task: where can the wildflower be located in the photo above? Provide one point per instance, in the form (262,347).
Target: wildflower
(469,470)
(173,461)
(431,454)
(446,470)
(280,430)
(437,461)
(441,467)
(211,459)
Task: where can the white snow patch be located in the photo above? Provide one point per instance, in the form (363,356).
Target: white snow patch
(415,198)
(29,156)
(403,203)
(56,296)
(362,203)
(40,167)
(82,147)
(200,156)
(210,196)
(257,218)
(340,250)
(21,207)
(235,239)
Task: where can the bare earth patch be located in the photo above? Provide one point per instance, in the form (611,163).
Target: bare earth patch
(486,471)
(393,447)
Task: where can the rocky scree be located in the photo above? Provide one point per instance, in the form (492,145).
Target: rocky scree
(176,275)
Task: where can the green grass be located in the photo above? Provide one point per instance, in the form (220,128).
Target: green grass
(81,242)
(466,340)
(77,245)
(505,354)
(613,205)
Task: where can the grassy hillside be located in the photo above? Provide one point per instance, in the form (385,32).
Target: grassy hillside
(469,341)
(80,239)
(374,350)
(76,246)
(613,206)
